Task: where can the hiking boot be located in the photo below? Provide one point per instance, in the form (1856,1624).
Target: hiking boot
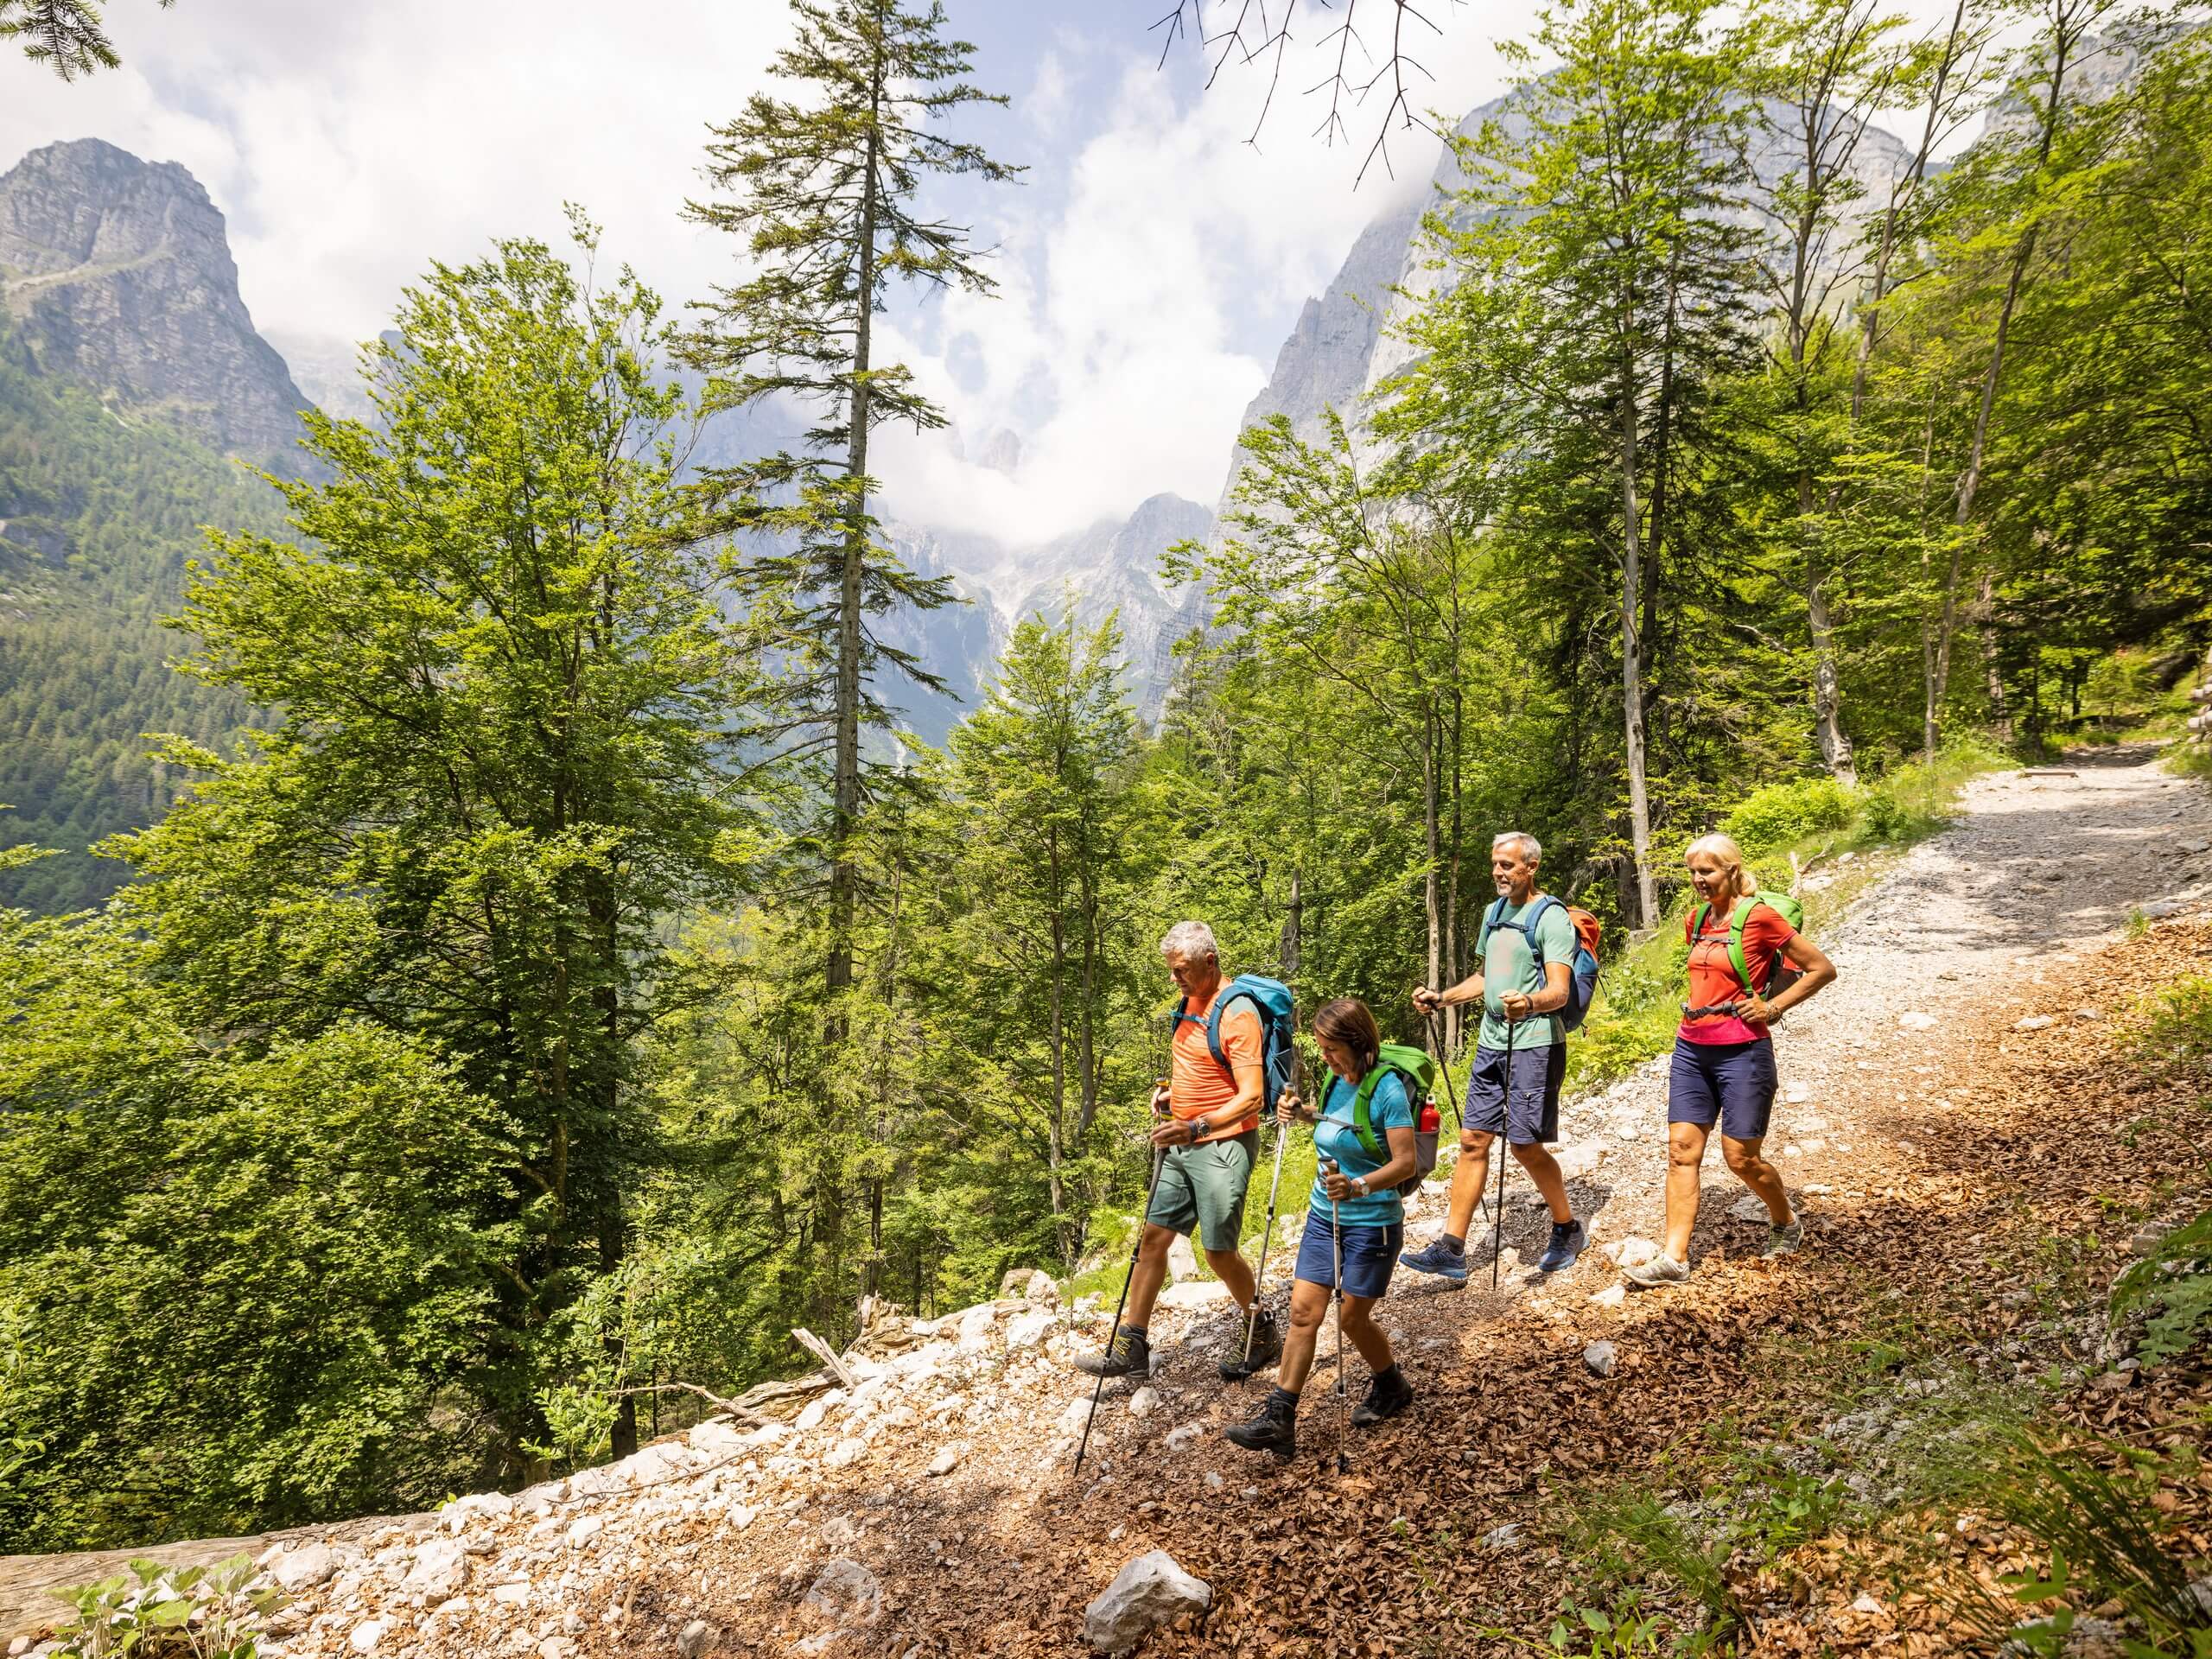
(1786,1239)
(1275,1428)
(1266,1348)
(1441,1259)
(1661,1269)
(1127,1354)
(1387,1395)
(1568,1240)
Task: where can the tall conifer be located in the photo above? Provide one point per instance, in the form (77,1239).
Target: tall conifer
(824,193)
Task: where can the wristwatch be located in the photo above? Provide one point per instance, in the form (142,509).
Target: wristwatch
(1194,1123)
(1359,1185)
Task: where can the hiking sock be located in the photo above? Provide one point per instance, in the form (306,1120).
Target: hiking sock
(1453,1242)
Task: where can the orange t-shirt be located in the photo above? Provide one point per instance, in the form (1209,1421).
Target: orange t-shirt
(1713,972)
(1195,1082)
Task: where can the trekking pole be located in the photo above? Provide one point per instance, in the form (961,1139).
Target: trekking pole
(1336,1291)
(1158,1161)
(1444,1064)
(1504,1146)
(1259,1274)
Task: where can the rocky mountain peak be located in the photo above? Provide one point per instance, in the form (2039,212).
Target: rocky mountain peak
(116,273)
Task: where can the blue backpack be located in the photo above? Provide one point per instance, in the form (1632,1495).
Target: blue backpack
(1271,999)
(1581,965)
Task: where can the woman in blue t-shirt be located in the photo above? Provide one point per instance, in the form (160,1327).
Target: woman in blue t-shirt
(1362,1190)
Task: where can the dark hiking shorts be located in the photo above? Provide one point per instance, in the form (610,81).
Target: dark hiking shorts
(1532,1104)
(1370,1255)
(1732,1083)
(1203,1187)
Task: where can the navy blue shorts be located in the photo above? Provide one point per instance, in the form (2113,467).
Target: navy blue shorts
(1534,1099)
(1731,1081)
(1370,1255)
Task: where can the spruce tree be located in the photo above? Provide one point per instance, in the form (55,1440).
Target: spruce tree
(825,196)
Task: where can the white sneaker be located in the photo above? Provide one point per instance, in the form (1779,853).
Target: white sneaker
(1661,1269)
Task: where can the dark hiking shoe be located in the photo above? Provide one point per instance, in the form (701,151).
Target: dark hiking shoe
(1127,1354)
(1439,1258)
(1266,1348)
(1387,1395)
(1568,1240)
(1275,1428)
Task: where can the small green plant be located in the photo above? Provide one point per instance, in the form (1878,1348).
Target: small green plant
(2177,1031)
(2173,1285)
(1597,1634)
(1788,1509)
(1649,1537)
(169,1612)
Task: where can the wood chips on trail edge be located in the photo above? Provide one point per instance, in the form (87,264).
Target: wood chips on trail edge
(1385,1559)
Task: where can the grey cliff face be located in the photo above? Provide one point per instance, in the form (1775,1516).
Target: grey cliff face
(1349,341)
(117,274)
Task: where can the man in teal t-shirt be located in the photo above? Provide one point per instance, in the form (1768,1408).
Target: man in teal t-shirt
(1519,1056)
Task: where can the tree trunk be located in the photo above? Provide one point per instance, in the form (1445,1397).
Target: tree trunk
(1639,804)
(1053,1151)
(1827,693)
(1992,669)
(1432,846)
(845,785)
(1293,919)
(2062,40)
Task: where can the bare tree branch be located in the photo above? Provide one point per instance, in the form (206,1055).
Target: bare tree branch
(1260,31)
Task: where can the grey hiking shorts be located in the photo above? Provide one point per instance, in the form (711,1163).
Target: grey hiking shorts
(1203,1188)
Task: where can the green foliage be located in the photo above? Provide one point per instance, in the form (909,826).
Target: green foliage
(2177,1030)
(67,36)
(2088,1507)
(1781,814)
(2173,1286)
(826,205)
(169,1612)
(239,1282)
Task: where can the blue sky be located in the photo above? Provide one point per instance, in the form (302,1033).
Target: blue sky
(1151,262)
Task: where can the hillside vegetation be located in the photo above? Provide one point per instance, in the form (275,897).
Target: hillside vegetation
(563,996)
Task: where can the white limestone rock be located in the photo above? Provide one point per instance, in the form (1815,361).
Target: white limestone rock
(1148,1592)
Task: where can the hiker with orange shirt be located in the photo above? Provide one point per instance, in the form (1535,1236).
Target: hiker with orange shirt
(1723,1069)
(1210,1128)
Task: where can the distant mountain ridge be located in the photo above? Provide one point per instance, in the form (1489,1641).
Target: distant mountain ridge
(115,273)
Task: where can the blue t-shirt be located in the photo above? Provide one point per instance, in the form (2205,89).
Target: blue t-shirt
(1335,1140)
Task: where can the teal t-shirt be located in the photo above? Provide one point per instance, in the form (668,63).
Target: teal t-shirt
(1507,966)
(1335,1140)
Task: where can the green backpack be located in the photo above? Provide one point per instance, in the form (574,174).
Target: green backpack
(1780,974)
(1416,1072)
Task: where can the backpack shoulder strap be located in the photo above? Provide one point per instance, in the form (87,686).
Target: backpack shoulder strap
(1492,918)
(1363,1111)
(1540,907)
(1742,913)
(1228,993)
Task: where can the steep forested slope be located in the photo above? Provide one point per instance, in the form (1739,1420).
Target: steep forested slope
(97,516)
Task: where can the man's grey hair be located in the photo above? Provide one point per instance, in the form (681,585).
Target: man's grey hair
(1530,847)
(1189,941)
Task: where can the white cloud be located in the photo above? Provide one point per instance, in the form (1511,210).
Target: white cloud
(349,146)
(1147,273)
